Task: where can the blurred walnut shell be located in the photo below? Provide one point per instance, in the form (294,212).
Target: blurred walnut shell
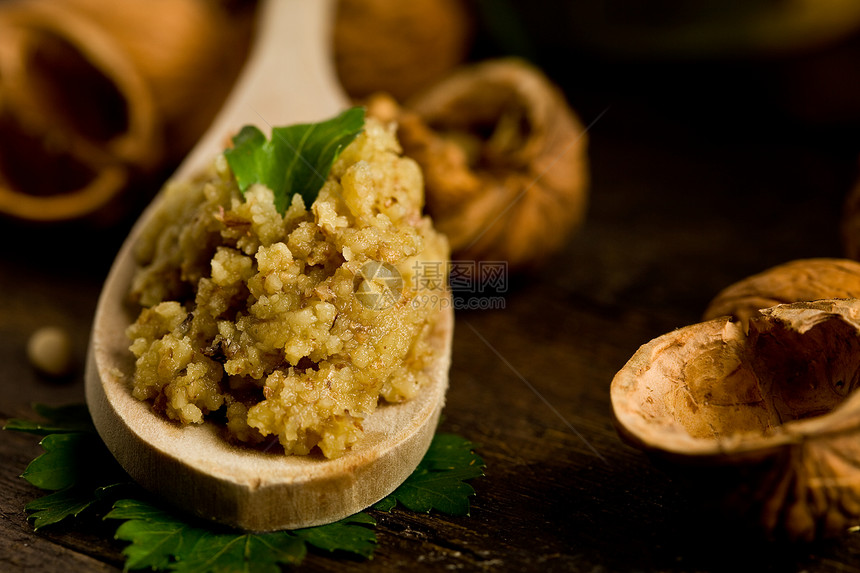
(398,47)
(850,224)
(767,421)
(794,281)
(680,29)
(504,160)
(93,92)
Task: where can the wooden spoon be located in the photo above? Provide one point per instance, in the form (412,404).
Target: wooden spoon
(288,79)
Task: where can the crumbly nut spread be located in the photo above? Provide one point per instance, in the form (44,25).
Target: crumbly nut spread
(291,326)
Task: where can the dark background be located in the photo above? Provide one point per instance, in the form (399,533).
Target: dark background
(708,164)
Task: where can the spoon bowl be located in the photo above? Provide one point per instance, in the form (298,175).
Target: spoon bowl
(288,79)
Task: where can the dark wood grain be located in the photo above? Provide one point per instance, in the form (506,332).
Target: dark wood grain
(688,196)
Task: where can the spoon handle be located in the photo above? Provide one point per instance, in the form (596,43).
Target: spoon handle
(289,77)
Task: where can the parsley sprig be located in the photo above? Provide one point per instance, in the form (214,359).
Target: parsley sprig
(296,160)
(163,540)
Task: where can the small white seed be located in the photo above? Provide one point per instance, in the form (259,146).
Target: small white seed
(50,351)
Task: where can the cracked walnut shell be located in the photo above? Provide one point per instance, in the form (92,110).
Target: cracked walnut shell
(96,94)
(504,160)
(765,422)
(794,281)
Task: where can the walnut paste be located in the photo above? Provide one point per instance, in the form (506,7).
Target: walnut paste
(264,321)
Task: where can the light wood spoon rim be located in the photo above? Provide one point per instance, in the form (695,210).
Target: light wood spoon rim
(193,467)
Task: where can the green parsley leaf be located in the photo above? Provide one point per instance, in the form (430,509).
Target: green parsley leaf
(386,504)
(67,467)
(72,452)
(350,535)
(69,460)
(246,552)
(66,461)
(439,481)
(156,535)
(298,158)
(160,539)
(449,452)
(57,506)
(61,420)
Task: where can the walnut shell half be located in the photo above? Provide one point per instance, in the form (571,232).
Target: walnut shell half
(766,421)
(94,94)
(794,281)
(504,160)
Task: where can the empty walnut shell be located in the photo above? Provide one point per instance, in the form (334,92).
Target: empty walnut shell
(94,92)
(504,161)
(794,281)
(766,421)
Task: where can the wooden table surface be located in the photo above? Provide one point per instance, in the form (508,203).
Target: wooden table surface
(692,189)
